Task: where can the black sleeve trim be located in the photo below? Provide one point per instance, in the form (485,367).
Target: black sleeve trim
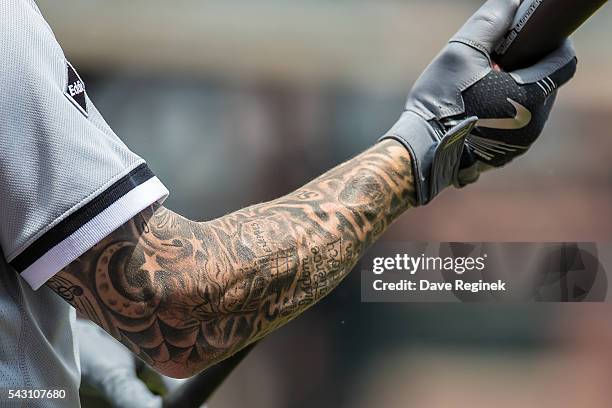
(80,217)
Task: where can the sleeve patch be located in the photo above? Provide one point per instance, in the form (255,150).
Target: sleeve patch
(75,90)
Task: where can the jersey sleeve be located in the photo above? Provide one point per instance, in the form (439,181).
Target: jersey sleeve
(66,180)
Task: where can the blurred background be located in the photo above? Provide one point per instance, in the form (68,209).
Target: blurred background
(234,102)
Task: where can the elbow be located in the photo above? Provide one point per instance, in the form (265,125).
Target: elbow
(182,371)
(189,369)
(177,372)
(223,362)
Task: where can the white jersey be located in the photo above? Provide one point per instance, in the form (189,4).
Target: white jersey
(66,182)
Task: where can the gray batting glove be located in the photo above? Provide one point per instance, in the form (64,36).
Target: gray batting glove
(464,115)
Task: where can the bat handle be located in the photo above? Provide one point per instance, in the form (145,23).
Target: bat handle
(539,28)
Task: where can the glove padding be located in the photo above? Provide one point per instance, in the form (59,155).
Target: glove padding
(448,118)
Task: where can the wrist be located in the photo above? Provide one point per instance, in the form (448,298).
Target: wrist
(435,152)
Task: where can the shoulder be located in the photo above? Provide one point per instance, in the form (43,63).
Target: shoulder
(16,14)
(27,43)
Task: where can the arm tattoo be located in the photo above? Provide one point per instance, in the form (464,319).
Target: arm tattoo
(184,295)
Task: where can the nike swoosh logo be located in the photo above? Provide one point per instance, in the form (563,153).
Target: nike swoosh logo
(522,119)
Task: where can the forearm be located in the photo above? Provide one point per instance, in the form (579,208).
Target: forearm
(279,258)
(184,295)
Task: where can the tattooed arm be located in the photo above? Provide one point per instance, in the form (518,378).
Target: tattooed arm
(184,295)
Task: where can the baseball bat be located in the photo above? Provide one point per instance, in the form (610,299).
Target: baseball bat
(539,28)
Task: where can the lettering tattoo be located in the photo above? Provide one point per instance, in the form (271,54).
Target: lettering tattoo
(184,295)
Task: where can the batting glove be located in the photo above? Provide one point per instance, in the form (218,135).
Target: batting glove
(464,115)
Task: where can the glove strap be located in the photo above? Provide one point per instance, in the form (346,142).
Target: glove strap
(436,155)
